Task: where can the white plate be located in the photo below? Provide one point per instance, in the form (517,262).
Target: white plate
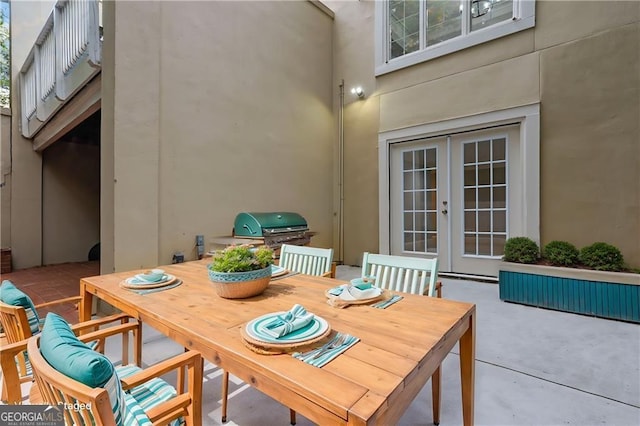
(137,281)
(315,328)
(276,271)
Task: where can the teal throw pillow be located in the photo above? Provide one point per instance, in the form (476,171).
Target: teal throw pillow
(11,295)
(73,358)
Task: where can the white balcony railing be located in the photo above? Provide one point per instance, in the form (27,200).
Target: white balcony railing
(65,57)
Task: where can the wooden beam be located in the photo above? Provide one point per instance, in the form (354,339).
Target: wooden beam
(79,108)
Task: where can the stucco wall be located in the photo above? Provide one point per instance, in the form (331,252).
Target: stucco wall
(71,199)
(5,178)
(226,107)
(580,62)
(27,19)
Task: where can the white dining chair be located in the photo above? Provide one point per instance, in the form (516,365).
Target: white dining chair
(307,260)
(408,275)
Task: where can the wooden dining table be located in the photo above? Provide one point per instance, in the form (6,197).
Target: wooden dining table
(373,382)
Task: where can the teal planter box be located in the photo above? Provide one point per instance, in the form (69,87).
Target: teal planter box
(613,295)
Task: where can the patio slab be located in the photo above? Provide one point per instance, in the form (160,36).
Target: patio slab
(534,367)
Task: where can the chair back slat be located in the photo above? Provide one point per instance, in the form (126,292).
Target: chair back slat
(399,273)
(14,322)
(306,260)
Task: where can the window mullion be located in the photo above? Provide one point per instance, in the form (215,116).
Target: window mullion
(423,24)
(465,5)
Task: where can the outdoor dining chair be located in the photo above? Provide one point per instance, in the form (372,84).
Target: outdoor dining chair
(20,320)
(67,371)
(307,260)
(409,275)
(303,260)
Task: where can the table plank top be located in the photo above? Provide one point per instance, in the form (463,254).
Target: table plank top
(400,344)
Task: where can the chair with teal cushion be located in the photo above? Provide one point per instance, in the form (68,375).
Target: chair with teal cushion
(20,320)
(409,275)
(66,370)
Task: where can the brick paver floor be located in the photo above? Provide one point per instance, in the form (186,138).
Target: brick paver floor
(52,282)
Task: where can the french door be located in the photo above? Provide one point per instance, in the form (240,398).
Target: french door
(451,197)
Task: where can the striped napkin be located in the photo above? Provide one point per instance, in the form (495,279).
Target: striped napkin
(323,355)
(296,318)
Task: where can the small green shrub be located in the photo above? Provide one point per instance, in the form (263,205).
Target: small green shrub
(602,257)
(241,258)
(561,253)
(521,250)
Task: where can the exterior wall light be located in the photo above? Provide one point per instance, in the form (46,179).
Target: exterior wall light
(358,92)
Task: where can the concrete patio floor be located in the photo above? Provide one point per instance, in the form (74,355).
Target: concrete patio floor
(534,367)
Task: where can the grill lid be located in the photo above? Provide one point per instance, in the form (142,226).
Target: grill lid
(261,224)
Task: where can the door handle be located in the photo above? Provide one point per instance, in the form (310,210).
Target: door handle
(444,208)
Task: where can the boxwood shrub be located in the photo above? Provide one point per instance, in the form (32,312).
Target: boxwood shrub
(561,253)
(521,250)
(602,256)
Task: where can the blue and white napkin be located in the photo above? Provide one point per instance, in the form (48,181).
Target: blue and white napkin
(283,324)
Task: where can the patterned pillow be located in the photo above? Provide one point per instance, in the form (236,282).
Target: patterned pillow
(10,295)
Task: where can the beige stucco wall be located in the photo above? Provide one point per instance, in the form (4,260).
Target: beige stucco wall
(5,178)
(580,63)
(27,19)
(353,64)
(226,107)
(71,200)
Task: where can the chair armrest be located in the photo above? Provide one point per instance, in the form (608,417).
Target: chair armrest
(190,359)
(93,324)
(11,379)
(327,274)
(108,332)
(71,299)
(186,404)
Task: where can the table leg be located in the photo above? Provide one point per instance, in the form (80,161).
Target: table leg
(467,370)
(85,303)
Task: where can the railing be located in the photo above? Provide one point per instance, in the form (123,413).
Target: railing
(65,57)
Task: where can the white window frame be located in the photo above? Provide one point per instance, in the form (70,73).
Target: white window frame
(524,16)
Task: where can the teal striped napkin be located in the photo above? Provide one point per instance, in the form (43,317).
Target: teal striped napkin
(323,355)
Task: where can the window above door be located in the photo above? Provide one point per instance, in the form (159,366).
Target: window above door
(413,31)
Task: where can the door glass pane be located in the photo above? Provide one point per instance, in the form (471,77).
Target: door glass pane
(485,203)
(419,206)
(484,198)
(499,173)
(408,221)
(432,242)
(408,200)
(484,151)
(469,198)
(485,13)
(408,241)
(499,149)
(499,197)
(470,244)
(444,20)
(470,221)
(469,175)
(418,179)
(500,221)
(407,160)
(420,221)
(432,181)
(431,158)
(484,221)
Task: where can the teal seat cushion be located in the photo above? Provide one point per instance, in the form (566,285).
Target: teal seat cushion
(11,295)
(73,358)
